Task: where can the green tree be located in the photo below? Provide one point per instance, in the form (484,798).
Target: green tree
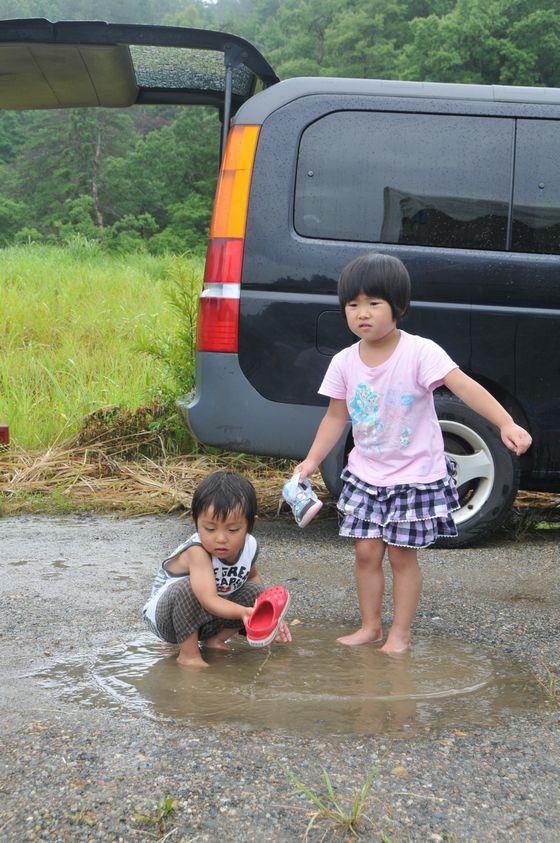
(119,11)
(164,164)
(363,40)
(12,135)
(12,218)
(487,42)
(62,158)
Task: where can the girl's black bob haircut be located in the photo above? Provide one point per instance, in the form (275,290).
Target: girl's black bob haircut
(225,492)
(379,276)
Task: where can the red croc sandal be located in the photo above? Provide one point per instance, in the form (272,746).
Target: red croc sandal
(270,608)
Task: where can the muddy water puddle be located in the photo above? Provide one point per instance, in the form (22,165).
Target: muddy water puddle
(313,686)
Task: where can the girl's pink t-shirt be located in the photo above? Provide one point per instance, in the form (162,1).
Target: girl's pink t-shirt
(396,432)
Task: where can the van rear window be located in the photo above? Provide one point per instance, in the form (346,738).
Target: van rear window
(430,180)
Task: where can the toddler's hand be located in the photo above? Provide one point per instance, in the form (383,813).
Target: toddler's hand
(283,635)
(245,613)
(515,438)
(305,469)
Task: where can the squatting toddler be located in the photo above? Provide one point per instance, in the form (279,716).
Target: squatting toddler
(206,588)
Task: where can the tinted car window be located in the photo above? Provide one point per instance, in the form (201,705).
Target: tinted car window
(536,212)
(430,180)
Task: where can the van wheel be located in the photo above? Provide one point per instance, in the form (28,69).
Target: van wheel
(487,473)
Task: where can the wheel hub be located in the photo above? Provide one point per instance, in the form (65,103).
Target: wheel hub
(475,467)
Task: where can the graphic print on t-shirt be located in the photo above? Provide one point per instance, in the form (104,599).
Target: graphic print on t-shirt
(372,432)
(228,577)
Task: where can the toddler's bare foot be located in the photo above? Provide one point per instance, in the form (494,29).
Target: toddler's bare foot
(396,643)
(218,641)
(361,636)
(216,645)
(191,661)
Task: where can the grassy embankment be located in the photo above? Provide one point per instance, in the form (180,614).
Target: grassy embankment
(82,331)
(75,323)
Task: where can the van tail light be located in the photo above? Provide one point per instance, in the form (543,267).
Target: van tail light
(224,259)
(218,322)
(218,315)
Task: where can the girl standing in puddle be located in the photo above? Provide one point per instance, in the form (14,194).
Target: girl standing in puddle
(398,492)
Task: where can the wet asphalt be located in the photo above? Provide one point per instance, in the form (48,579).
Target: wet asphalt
(77,771)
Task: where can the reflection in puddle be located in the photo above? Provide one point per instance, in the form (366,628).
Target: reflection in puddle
(60,565)
(527,597)
(313,686)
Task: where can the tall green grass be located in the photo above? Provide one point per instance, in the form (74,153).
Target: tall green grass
(82,329)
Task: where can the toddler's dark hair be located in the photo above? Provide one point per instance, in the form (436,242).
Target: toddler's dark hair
(379,276)
(225,492)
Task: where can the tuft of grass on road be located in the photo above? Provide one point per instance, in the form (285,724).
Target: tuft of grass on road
(548,680)
(327,806)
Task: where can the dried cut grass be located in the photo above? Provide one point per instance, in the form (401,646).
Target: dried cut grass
(100,475)
(538,500)
(107,473)
(117,462)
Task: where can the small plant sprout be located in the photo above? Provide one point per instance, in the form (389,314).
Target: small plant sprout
(328,807)
(550,685)
(165,807)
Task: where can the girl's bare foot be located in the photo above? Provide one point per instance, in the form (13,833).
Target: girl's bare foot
(191,661)
(396,643)
(361,636)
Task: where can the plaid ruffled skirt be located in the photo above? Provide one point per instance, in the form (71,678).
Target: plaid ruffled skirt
(402,515)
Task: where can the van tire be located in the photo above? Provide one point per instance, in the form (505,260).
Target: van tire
(485,499)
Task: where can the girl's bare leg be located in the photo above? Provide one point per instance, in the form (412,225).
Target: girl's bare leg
(189,654)
(407,586)
(370,584)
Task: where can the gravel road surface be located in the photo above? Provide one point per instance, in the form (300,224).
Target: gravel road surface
(73,772)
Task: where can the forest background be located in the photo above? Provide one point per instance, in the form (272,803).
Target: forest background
(145,177)
(104,214)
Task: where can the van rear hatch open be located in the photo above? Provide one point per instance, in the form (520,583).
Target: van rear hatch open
(75,64)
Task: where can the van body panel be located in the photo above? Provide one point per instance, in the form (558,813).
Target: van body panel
(452,323)
(286,341)
(537,350)
(240,416)
(259,107)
